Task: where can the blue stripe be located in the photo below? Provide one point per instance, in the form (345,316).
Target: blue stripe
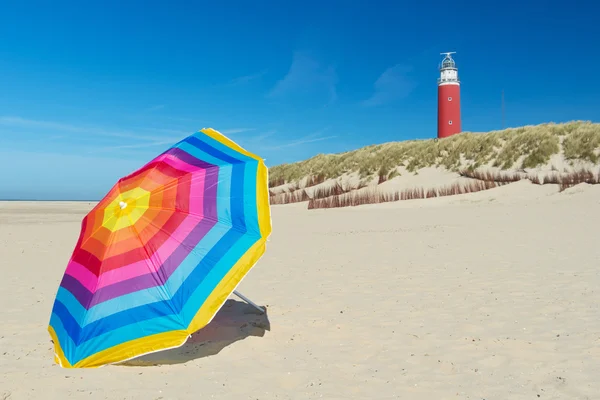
(66,343)
(158,324)
(215,276)
(66,298)
(237,188)
(250,206)
(226,178)
(223,148)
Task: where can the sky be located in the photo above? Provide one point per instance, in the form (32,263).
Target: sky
(91,91)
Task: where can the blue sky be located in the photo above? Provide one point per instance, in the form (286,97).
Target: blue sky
(89,91)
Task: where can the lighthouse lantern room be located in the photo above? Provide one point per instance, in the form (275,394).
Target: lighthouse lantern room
(448,98)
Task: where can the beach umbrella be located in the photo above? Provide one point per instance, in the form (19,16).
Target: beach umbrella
(159,255)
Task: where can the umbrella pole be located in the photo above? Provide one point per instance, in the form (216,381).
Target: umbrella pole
(247,300)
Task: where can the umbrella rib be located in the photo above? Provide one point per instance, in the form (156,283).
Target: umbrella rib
(89,255)
(174,182)
(99,277)
(182,212)
(192,249)
(168,296)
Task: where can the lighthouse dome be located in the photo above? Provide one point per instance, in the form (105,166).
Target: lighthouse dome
(448,62)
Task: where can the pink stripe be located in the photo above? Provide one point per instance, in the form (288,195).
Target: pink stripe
(196,207)
(89,280)
(177,163)
(82,274)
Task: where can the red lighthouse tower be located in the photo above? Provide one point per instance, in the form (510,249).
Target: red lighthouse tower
(448,98)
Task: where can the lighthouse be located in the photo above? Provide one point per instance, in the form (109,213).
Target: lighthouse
(448,98)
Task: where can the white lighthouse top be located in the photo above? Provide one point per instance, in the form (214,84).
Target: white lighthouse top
(448,70)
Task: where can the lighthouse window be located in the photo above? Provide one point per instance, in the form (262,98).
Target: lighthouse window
(450,122)
(449,98)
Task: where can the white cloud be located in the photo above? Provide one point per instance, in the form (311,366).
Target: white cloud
(302,141)
(63,128)
(236,130)
(156,108)
(134,146)
(263,136)
(313,137)
(242,80)
(394,83)
(306,74)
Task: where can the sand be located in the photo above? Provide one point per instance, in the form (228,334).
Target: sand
(492,295)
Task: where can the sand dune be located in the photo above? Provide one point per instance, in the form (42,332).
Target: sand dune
(491,295)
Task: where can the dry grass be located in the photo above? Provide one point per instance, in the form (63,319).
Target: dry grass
(352,199)
(338,195)
(312,180)
(575,178)
(315,180)
(274,182)
(374,197)
(471,187)
(551,179)
(514,148)
(293,187)
(288,198)
(491,176)
(296,195)
(335,189)
(564,180)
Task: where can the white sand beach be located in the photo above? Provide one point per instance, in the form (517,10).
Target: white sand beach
(491,295)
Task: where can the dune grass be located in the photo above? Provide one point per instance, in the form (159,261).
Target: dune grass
(492,176)
(514,148)
(564,180)
(298,195)
(582,143)
(480,182)
(337,195)
(353,199)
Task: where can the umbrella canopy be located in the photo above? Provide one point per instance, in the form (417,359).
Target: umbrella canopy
(161,252)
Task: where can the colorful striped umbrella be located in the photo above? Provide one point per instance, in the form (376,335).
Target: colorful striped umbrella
(161,252)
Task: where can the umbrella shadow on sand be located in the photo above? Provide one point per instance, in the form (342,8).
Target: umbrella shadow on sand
(235,321)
